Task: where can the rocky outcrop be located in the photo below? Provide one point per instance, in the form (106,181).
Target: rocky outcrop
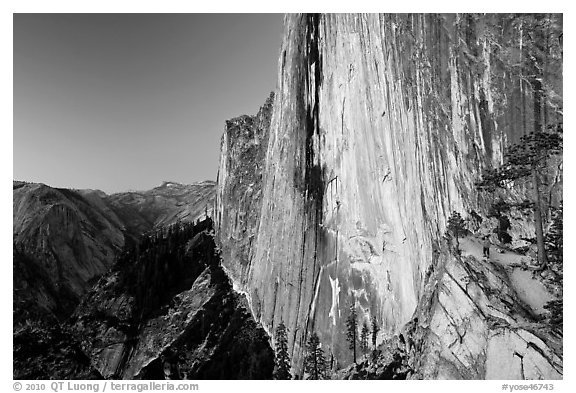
(381,126)
(471,324)
(168,311)
(242,162)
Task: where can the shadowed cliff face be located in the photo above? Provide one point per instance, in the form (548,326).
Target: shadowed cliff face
(381,126)
(243,153)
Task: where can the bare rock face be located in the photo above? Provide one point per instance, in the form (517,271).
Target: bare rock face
(381,126)
(471,324)
(242,162)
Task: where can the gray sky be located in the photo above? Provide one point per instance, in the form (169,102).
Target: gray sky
(124,101)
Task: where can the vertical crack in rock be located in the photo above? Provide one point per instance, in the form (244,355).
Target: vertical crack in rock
(314,177)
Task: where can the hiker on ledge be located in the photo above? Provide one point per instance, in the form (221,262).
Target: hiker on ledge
(486,246)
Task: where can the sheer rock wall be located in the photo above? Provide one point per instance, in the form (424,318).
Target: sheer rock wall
(381,125)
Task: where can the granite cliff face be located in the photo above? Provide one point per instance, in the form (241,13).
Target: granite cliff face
(242,162)
(381,126)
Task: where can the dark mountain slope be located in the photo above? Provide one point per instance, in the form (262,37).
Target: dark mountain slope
(167,310)
(64,240)
(62,244)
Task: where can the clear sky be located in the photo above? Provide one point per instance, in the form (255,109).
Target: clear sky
(125,101)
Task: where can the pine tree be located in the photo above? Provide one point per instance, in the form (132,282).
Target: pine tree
(456,227)
(554,239)
(315,362)
(555,312)
(527,160)
(364,338)
(282,366)
(555,249)
(375,330)
(352,327)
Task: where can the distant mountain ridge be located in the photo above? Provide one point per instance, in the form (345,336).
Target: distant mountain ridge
(65,239)
(164,205)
